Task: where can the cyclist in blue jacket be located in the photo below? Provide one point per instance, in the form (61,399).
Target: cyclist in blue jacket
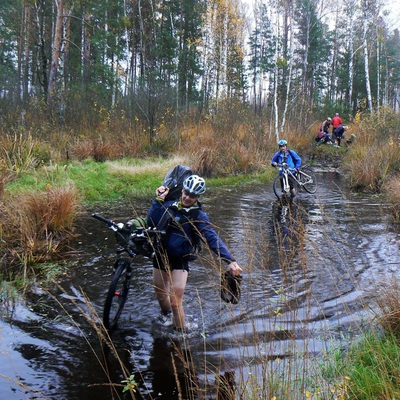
(185,224)
(289,157)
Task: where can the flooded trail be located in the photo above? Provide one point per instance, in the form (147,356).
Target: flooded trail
(312,269)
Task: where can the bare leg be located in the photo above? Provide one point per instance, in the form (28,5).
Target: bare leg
(162,284)
(179,279)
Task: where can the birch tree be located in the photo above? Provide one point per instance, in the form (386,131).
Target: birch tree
(366,14)
(56,50)
(289,9)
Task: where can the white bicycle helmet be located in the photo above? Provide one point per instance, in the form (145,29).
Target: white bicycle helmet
(282,142)
(195,185)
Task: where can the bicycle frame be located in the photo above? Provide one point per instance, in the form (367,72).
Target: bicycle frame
(303,179)
(286,172)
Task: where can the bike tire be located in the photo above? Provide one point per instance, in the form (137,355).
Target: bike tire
(117,294)
(311,185)
(277,187)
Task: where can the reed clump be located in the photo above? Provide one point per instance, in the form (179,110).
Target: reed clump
(370,165)
(392,190)
(34,226)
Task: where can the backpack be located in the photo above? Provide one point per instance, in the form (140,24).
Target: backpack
(168,219)
(174,181)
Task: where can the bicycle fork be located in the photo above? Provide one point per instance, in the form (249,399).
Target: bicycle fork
(285,183)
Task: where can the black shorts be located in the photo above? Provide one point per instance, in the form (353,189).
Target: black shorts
(161,262)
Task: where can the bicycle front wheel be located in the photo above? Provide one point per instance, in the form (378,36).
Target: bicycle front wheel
(277,186)
(308,180)
(117,294)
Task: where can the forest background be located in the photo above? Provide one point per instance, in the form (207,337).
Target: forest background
(149,66)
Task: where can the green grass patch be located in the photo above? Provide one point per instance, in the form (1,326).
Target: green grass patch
(371,367)
(110,181)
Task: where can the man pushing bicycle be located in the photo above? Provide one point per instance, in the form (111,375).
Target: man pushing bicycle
(289,157)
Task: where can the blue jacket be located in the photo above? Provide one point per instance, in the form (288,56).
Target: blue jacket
(184,227)
(289,157)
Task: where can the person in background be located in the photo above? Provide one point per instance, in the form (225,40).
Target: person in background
(323,137)
(326,125)
(336,122)
(338,134)
(185,224)
(290,157)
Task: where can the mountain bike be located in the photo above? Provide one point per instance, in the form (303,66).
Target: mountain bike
(304,178)
(133,239)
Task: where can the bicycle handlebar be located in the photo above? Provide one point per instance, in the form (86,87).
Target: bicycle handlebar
(284,166)
(124,229)
(134,241)
(99,217)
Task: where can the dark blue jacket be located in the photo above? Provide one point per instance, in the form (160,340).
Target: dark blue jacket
(339,131)
(289,157)
(184,229)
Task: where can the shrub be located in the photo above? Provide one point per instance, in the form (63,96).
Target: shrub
(34,225)
(388,307)
(392,190)
(369,164)
(18,152)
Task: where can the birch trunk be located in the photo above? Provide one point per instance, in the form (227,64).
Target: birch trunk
(289,77)
(56,51)
(378,71)
(366,66)
(276,81)
(366,58)
(351,62)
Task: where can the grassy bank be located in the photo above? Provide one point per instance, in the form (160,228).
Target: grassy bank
(119,180)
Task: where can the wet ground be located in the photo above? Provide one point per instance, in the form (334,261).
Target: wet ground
(311,271)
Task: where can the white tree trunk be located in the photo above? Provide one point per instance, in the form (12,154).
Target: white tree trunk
(378,71)
(288,85)
(366,58)
(56,50)
(351,62)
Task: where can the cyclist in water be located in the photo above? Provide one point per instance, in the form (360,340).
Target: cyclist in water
(186,224)
(290,157)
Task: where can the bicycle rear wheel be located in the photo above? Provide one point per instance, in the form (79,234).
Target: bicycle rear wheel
(117,293)
(308,180)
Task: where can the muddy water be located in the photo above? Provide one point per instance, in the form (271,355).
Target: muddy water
(312,269)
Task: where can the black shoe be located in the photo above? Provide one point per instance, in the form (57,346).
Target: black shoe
(230,287)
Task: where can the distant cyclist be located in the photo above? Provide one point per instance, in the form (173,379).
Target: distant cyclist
(291,158)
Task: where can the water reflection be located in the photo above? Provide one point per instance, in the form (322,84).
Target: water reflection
(172,367)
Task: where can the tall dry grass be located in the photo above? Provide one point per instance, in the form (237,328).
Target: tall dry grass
(18,152)
(387,307)
(392,190)
(370,163)
(34,226)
